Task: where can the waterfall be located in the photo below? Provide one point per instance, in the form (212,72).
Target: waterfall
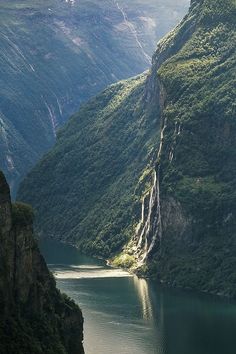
(52,118)
(149,231)
(143,229)
(157,223)
(133,31)
(18,52)
(177,132)
(148,234)
(139,230)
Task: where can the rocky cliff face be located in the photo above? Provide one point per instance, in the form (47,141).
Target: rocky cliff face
(149,165)
(35,317)
(187,234)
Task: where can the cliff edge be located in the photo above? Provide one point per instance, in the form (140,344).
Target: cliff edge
(35,317)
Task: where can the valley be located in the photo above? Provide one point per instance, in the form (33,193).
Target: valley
(120,152)
(124,314)
(144,173)
(57,54)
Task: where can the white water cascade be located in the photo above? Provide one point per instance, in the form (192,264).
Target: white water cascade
(149,230)
(146,235)
(133,31)
(52,118)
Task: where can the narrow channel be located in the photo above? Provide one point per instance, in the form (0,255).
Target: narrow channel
(127,315)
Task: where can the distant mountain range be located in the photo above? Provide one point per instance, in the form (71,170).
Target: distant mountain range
(56,54)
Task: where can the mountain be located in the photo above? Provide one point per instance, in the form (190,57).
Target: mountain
(56,54)
(145,172)
(35,317)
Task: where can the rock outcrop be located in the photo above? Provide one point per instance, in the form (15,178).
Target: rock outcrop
(188,232)
(35,317)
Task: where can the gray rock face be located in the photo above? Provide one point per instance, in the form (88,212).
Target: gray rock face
(35,317)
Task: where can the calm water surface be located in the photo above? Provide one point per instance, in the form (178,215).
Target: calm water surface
(127,315)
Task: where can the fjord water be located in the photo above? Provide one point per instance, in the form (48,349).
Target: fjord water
(127,315)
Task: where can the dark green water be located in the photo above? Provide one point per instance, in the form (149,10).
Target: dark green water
(126,315)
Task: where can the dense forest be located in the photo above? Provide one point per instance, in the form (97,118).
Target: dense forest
(145,171)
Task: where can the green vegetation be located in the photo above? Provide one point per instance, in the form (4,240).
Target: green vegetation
(35,317)
(22,214)
(218,10)
(200,84)
(25,331)
(197,164)
(91,177)
(124,261)
(207,265)
(55,56)
(88,189)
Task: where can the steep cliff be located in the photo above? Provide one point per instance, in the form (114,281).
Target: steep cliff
(152,168)
(90,176)
(35,317)
(187,236)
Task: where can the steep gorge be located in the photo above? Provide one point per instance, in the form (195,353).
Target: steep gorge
(190,223)
(145,172)
(55,55)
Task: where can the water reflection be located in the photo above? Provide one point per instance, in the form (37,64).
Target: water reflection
(127,315)
(142,290)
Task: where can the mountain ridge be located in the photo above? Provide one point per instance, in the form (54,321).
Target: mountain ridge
(174,166)
(56,55)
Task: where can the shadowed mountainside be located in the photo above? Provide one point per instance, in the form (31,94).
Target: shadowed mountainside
(56,54)
(146,170)
(35,317)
